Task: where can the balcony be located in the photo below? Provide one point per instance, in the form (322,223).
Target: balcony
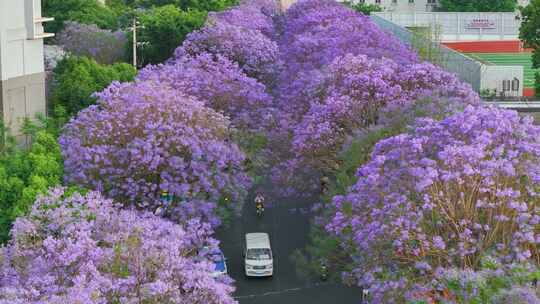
(34,20)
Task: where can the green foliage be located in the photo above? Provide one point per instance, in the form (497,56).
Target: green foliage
(426,41)
(485,286)
(537,84)
(77,78)
(478,5)
(364,8)
(27,172)
(164,29)
(82,11)
(207,5)
(530,29)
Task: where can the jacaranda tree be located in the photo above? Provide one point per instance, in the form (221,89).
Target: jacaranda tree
(352,92)
(104,46)
(255,53)
(144,138)
(219,83)
(444,195)
(249,16)
(75,248)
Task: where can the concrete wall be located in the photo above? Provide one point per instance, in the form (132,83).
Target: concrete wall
(461,26)
(493,76)
(403,5)
(478,75)
(22,92)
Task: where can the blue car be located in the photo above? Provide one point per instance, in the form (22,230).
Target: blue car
(220,263)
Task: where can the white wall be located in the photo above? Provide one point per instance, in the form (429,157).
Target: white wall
(20,55)
(22,77)
(493,76)
(461,26)
(403,5)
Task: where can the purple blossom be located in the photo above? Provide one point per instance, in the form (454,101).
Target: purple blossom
(144,138)
(104,46)
(219,83)
(84,249)
(388,221)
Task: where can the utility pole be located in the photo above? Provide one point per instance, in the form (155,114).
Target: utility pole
(134,42)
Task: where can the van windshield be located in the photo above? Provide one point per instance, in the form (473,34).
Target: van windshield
(259,254)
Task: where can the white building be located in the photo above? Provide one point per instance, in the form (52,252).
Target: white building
(403,5)
(409,6)
(22,77)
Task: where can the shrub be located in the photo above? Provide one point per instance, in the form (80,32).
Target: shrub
(26,173)
(76,79)
(82,248)
(104,46)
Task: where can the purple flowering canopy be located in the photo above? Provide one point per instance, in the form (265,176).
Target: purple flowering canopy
(446,194)
(145,137)
(318,31)
(341,75)
(219,83)
(83,249)
(248,16)
(255,53)
(353,90)
(104,46)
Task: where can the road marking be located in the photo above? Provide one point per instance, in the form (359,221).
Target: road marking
(277,292)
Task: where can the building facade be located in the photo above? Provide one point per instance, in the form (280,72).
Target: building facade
(409,6)
(404,5)
(22,77)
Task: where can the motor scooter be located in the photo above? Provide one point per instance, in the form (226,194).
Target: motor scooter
(259,209)
(324,271)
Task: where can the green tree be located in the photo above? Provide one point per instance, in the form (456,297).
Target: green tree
(82,11)
(478,5)
(77,78)
(164,29)
(364,8)
(207,5)
(529,33)
(26,173)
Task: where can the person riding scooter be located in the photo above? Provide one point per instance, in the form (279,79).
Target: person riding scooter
(259,203)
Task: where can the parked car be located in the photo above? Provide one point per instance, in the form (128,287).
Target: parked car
(258,260)
(220,263)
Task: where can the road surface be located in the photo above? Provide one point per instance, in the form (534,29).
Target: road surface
(287,222)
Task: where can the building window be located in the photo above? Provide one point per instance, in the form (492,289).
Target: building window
(411,1)
(394,1)
(431,1)
(378,1)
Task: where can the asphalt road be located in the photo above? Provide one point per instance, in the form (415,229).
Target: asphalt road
(287,222)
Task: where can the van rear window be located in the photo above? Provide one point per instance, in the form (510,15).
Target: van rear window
(259,254)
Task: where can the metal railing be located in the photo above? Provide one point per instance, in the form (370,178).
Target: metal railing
(467,69)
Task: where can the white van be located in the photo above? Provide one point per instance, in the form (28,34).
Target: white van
(258,261)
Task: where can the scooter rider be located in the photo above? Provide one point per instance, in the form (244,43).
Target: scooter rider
(259,201)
